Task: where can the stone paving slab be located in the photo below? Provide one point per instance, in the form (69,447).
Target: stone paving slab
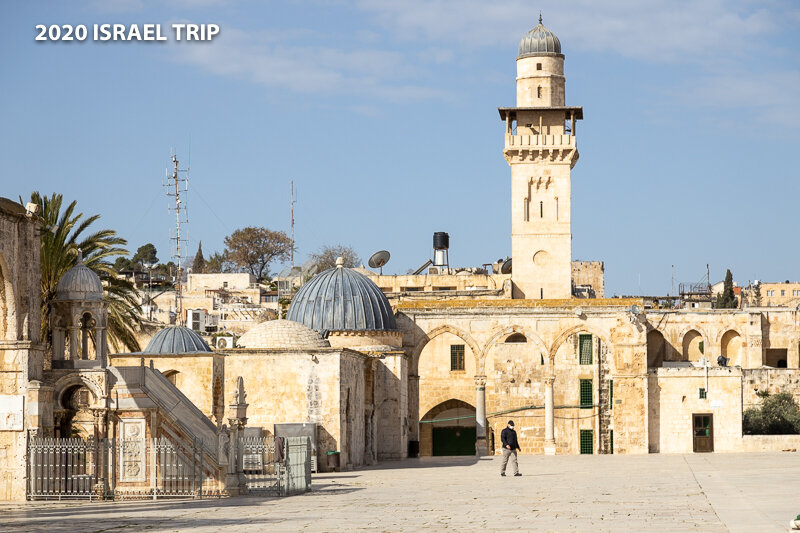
(709,493)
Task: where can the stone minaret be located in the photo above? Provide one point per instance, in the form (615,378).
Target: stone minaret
(540,147)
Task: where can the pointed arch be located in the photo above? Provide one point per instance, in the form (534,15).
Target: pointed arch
(501,334)
(564,335)
(463,335)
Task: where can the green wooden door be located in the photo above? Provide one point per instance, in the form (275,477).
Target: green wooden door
(454,441)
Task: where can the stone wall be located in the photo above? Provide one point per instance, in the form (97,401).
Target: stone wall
(674,397)
(590,273)
(21,354)
(771,380)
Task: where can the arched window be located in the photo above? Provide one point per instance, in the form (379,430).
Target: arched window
(541,209)
(538,92)
(172,376)
(516,337)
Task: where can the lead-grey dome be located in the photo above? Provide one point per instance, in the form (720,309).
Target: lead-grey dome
(80,283)
(176,339)
(341,299)
(539,41)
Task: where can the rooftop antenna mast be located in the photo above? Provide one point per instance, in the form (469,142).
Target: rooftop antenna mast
(292,201)
(175,184)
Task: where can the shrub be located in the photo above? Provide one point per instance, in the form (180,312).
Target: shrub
(778,414)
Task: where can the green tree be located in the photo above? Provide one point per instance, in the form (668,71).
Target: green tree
(778,414)
(726,299)
(70,231)
(199,264)
(216,263)
(145,255)
(122,263)
(325,257)
(253,249)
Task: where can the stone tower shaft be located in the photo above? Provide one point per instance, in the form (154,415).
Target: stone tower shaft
(541,149)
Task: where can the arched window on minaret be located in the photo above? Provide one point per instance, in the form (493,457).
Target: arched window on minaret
(539,92)
(541,209)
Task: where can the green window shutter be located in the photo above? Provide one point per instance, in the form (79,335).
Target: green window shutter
(611,441)
(611,394)
(456,357)
(587,442)
(585,349)
(702,394)
(587,399)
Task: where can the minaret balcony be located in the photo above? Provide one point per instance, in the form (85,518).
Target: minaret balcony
(516,142)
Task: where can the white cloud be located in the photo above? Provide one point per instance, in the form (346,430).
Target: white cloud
(661,30)
(258,58)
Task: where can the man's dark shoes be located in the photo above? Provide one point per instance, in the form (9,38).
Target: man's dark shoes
(517,474)
(502,474)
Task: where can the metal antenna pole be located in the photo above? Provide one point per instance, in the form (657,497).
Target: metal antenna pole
(173,189)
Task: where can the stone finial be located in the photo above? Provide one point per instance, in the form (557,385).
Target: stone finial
(80,256)
(540,17)
(339,262)
(239,394)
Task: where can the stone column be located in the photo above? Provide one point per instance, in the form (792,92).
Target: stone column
(73,343)
(237,418)
(793,359)
(480,416)
(100,345)
(99,451)
(413,406)
(549,411)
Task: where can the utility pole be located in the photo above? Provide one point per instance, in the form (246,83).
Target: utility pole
(174,183)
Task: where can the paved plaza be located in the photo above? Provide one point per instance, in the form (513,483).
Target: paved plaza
(708,492)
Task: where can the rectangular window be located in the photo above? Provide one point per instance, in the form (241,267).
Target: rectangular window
(585,349)
(587,442)
(611,441)
(783,292)
(538,66)
(702,394)
(586,394)
(456,357)
(611,393)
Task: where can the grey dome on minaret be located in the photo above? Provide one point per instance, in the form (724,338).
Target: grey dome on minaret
(539,41)
(80,283)
(341,299)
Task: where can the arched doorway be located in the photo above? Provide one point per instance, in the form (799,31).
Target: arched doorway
(448,429)
(656,348)
(73,416)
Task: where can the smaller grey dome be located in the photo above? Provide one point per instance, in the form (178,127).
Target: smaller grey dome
(176,339)
(80,283)
(539,41)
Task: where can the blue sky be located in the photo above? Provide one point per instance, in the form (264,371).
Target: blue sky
(384,114)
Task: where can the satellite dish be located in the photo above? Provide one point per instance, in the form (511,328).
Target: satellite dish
(505,268)
(379,259)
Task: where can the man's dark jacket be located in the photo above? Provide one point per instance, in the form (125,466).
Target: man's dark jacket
(509,438)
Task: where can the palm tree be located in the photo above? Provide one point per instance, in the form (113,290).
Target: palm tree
(65,233)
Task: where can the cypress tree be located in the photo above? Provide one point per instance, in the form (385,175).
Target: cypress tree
(199,264)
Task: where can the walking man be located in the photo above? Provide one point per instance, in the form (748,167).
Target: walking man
(510,446)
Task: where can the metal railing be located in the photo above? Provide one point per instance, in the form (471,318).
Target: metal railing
(62,469)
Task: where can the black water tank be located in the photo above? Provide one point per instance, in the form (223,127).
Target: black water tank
(441,241)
